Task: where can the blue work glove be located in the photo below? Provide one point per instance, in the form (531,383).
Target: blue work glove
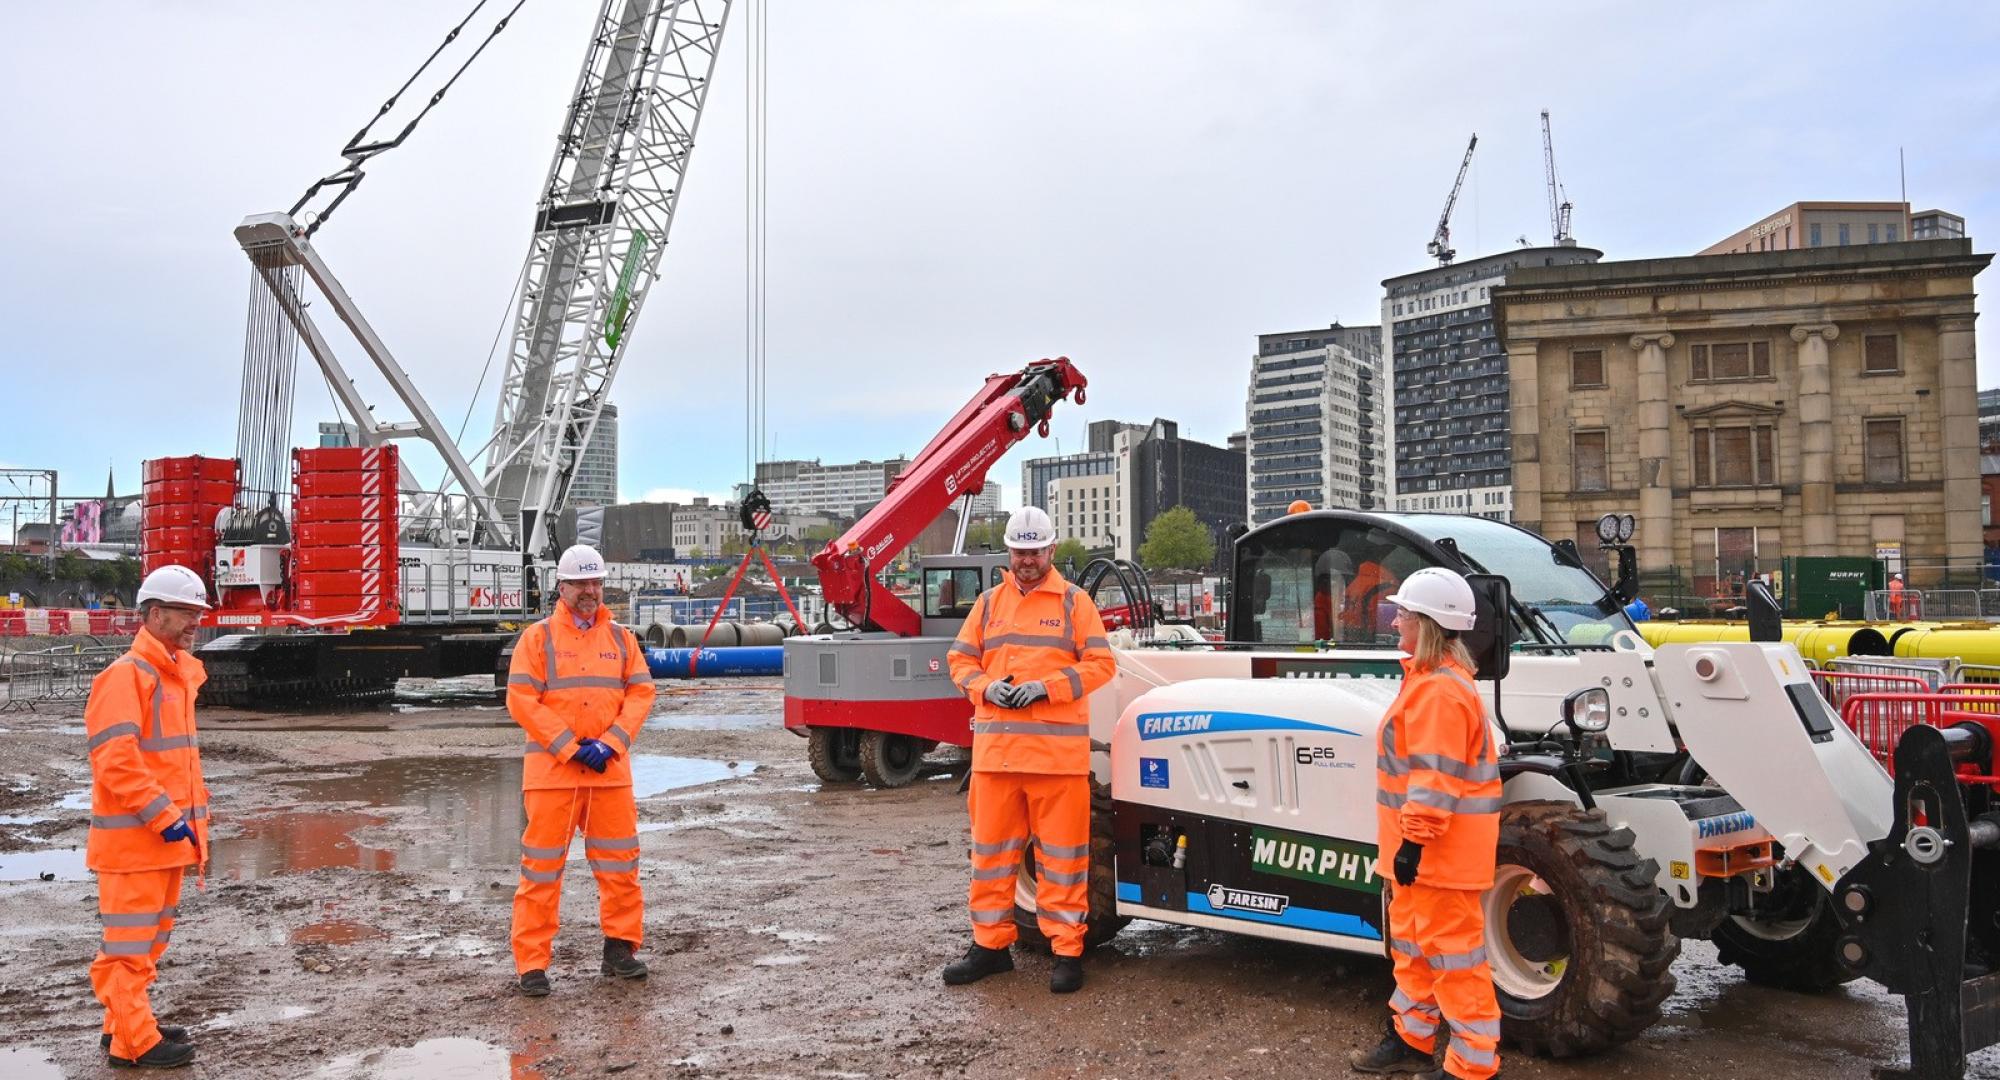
(1407,858)
(592,754)
(1001,693)
(1028,693)
(180,830)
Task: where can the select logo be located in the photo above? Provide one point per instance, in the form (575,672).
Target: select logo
(1224,898)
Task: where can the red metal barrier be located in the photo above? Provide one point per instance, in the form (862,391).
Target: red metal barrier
(1881,719)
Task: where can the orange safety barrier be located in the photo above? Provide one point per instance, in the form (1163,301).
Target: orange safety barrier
(56,622)
(1838,686)
(1881,719)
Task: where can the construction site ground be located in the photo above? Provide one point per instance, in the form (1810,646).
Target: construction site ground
(354,924)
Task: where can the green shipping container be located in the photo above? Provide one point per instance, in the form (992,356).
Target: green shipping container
(1830,586)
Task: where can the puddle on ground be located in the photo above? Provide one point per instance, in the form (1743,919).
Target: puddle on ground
(26,1063)
(336,932)
(778,960)
(677,721)
(66,864)
(469,810)
(24,819)
(791,937)
(452,1058)
(257,1015)
(431,943)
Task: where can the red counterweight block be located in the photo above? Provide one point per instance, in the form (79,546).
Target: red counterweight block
(178,506)
(344,545)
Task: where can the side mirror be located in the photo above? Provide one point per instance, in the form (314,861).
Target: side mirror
(1767,619)
(1491,639)
(1587,710)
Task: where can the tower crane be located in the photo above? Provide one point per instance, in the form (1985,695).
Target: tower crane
(441,571)
(1559,204)
(1440,245)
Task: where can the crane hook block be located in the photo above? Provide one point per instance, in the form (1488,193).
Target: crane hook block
(1079,395)
(1042,429)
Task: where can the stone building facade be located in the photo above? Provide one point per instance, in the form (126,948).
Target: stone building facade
(1754,406)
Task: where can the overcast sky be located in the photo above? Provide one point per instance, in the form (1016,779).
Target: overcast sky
(956,188)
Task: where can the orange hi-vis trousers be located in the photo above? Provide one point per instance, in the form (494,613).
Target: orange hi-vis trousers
(610,822)
(1008,809)
(1437,940)
(137,909)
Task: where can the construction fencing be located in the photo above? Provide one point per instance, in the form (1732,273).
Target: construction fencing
(49,676)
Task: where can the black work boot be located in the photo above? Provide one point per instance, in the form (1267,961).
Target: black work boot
(534,983)
(169,1032)
(619,961)
(1067,977)
(1391,1055)
(165,1054)
(978,962)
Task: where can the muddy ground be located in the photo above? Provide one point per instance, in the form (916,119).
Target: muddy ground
(354,924)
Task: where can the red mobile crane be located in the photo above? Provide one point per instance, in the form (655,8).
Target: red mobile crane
(872,700)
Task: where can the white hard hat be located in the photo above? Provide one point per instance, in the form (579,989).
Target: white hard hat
(1439,593)
(580,563)
(173,584)
(1030,529)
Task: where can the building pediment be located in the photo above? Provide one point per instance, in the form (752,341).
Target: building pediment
(1733,408)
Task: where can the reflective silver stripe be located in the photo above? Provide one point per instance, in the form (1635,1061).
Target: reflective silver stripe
(1000,848)
(1069,619)
(1404,1003)
(1463,961)
(171,742)
(1439,800)
(1075,682)
(639,678)
(164,936)
(1459,679)
(992,917)
(616,732)
(978,619)
(1059,916)
(533,747)
(159,689)
(994,873)
(543,852)
(1419,1025)
(1045,641)
(1488,1028)
(1075,877)
(1096,642)
(563,739)
(1406,948)
(1059,851)
(1029,727)
(1472,1055)
(115,731)
(605,843)
(587,682)
(142,918)
(624,654)
(1452,767)
(548,626)
(125,948)
(115,821)
(966,683)
(1392,799)
(199,813)
(153,809)
(525,679)
(541,877)
(1392,765)
(614,866)
(962,648)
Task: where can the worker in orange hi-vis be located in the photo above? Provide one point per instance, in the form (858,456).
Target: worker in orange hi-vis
(148,812)
(1437,773)
(1029,655)
(580,687)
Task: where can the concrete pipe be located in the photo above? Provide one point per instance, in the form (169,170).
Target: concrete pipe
(677,638)
(750,634)
(656,635)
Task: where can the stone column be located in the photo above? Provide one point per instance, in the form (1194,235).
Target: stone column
(1525,409)
(1957,397)
(1656,473)
(1816,522)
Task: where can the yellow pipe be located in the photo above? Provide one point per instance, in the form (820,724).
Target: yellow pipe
(1971,646)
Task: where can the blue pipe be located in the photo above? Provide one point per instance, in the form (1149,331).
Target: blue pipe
(743,660)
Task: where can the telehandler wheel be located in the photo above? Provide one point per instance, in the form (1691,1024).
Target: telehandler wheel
(1576,932)
(1792,947)
(1103,922)
(835,754)
(889,760)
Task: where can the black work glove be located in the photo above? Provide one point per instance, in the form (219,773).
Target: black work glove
(1407,858)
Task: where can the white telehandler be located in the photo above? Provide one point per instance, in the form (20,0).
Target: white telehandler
(1651,794)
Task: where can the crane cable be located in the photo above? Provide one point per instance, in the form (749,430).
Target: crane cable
(756,236)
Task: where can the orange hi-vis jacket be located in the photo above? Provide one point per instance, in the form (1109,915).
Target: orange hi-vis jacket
(145,767)
(567,684)
(1437,777)
(1051,633)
